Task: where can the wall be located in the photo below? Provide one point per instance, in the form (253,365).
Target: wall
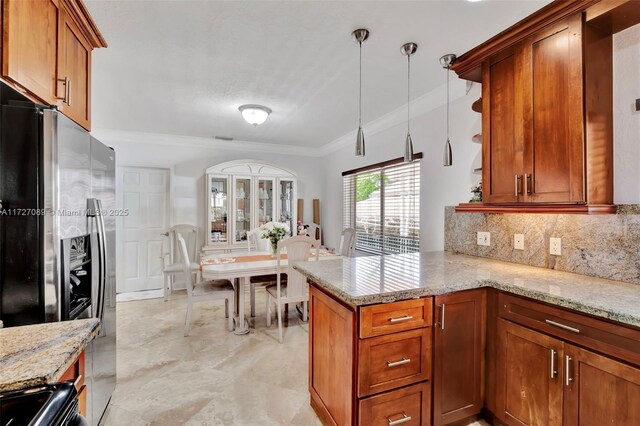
(440,186)
(189,162)
(626,88)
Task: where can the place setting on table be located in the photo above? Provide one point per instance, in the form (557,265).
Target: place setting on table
(239,267)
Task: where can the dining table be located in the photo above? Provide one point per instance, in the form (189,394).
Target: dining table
(238,267)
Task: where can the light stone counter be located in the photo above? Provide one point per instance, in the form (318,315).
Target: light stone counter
(34,355)
(380,279)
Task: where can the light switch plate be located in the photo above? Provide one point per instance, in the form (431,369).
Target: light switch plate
(484,238)
(555,246)
(518,241)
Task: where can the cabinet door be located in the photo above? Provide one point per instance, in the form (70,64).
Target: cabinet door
(218,209)
(459,355)
(266,204)
(74,72)
(242,208)
(529,376)
(599,391)
(502,146)
(287,213)
(30,32)
(553,111)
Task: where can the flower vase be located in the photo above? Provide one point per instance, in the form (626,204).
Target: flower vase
(274,248)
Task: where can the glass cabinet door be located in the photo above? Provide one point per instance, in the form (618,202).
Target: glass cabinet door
(242,208)
(218,227)
(265,201)
(287,196)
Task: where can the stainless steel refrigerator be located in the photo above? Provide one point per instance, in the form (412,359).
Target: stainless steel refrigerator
(57,231)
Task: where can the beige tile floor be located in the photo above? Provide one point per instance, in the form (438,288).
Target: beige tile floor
(212,377)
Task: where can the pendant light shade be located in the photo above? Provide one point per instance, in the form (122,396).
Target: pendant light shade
(408,49)
(446,62)
(360,35)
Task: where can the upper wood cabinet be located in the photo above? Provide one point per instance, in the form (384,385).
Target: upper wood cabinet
(533,138)
(74,71)
(30,33)
(547,106)
(46,53)
(458,356)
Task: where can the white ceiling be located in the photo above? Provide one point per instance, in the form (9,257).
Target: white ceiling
(184,67)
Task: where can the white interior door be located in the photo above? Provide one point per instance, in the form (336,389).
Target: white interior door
(144,192)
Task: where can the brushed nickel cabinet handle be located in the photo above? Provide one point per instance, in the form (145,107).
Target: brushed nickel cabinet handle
(65,98)
(553,364)
(400,319)
(442,316)
(562,326)
(527,188)
(517,184)
(567,373)
(78,380)
(401,420)
(68,94)
(396,363)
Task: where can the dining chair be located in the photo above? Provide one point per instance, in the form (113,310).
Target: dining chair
(314,231)
(261,244)
(347,242)
(205,290)
(173,268)
(296,288)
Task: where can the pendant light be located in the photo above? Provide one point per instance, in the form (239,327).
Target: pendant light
(360,35)
(446,62)
(408,49)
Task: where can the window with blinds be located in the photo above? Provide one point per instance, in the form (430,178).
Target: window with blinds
(382,203)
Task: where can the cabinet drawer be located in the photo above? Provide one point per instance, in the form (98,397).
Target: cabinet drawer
(388,362)
(377,320)
(75,373)
(600,335)
(410,406)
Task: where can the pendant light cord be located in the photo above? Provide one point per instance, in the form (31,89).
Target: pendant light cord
(408,92)
(360,96)
(448,66)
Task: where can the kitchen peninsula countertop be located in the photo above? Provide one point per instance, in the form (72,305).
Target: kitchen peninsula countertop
(34,355)
(381,279)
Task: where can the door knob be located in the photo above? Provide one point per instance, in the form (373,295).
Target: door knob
(166,234)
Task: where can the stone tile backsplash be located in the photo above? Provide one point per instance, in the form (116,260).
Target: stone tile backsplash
(606,246)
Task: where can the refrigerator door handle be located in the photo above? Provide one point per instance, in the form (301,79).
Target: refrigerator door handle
(95,211)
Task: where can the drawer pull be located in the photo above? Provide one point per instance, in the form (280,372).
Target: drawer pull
(404,419)
(396,363)
(562,326)
(404,318)
(553,364)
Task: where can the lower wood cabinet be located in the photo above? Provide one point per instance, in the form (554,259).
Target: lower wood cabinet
(459,355)
(384,379)
(76,374)
(545,381)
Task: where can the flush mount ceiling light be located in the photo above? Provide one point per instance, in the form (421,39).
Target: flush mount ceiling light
(408,49)
(254,114)
(359,36)
(446,62)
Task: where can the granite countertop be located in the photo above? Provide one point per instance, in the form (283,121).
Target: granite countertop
(34,355)
(380,279)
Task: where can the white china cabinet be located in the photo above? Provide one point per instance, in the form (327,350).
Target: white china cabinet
(242,195)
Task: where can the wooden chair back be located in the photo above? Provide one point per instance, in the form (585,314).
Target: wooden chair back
(189,234)
(186,263)
(297,248)
(347,242)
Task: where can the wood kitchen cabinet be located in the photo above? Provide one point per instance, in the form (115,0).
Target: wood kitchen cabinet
(459,355)
(599,391)
(370,365)
(529,376)
(74,71)
(46,53)
(76,374)
(29,50)
(533,138)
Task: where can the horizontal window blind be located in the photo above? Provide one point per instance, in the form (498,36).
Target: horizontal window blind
(383,205)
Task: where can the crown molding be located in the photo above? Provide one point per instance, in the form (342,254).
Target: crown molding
(419,106)
(111,136)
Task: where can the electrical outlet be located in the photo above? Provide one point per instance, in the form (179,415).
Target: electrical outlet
(484,238)
(518,241)
(555,246)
